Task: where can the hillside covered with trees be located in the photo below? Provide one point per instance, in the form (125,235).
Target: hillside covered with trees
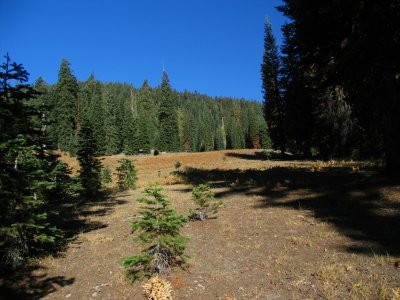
(130,120)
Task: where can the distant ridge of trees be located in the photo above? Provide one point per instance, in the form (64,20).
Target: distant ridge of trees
(130,120)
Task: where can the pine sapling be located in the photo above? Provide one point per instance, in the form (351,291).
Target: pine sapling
(106,175)
(207,205)
(158,231)
(126,173)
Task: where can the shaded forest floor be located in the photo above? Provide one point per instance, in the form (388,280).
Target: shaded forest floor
(287,230)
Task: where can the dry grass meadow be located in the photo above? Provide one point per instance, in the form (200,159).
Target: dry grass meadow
(287,230)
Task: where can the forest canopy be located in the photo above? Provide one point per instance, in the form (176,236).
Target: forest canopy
(133,120)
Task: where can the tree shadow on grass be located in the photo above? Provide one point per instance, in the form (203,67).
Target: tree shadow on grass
(260,155)
(75,216)
(30,283)
(353,202)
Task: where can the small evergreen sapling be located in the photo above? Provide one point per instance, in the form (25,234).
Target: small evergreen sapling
(158,230)
(106,175)
(178,165)
(126,174)
(206,203)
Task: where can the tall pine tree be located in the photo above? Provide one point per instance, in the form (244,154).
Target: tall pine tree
(93,110)
(273,102)
(26,170)
(67,110)
(90,165)
(169,138)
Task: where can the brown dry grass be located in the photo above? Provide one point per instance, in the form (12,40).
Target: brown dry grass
(287,230)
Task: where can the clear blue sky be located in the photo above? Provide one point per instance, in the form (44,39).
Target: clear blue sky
(212,46)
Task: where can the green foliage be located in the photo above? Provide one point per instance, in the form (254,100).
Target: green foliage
(66,113)
(129,120)
(94,110)
(178,165)
(90,166)
(168,140)
(60,175)
(147,118)
(106,175)
(28,174)
(273,103)
(206,203)
(158,231)
(126,174)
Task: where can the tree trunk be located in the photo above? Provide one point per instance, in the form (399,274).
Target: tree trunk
(391,125)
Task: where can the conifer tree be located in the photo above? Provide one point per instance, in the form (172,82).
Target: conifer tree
(147,118)
(168,140)
(130,142)
(90,166)
(111,139)
(25,170)
(126,174)
(299,103)
(158,231)
(273,104)
(220,137)
(206,203)
(93,110)
(67,110)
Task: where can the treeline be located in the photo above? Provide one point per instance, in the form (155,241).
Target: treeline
(333,90)
(130,120)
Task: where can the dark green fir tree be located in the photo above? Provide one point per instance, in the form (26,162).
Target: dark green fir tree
(168,140)
(273,103)
(25,171)
(126,174)
(67,110)
(90,165)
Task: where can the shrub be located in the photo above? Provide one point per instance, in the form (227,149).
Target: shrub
(126,174)
(106,175)
(157,230)
(206,203)
(178,165)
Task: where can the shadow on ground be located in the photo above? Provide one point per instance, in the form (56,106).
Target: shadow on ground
(355,203)
(30,283)
(74,217)
(260,155)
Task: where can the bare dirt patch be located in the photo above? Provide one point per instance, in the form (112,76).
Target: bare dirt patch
(287,230)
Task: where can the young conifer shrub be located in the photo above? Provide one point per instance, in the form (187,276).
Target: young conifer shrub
(106,175)
(126,173)
(178,165)
(206,203)
(158,231)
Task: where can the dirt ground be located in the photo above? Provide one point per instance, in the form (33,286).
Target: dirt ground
(287,230)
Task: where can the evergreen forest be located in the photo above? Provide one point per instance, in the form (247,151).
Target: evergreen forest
(130,120)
